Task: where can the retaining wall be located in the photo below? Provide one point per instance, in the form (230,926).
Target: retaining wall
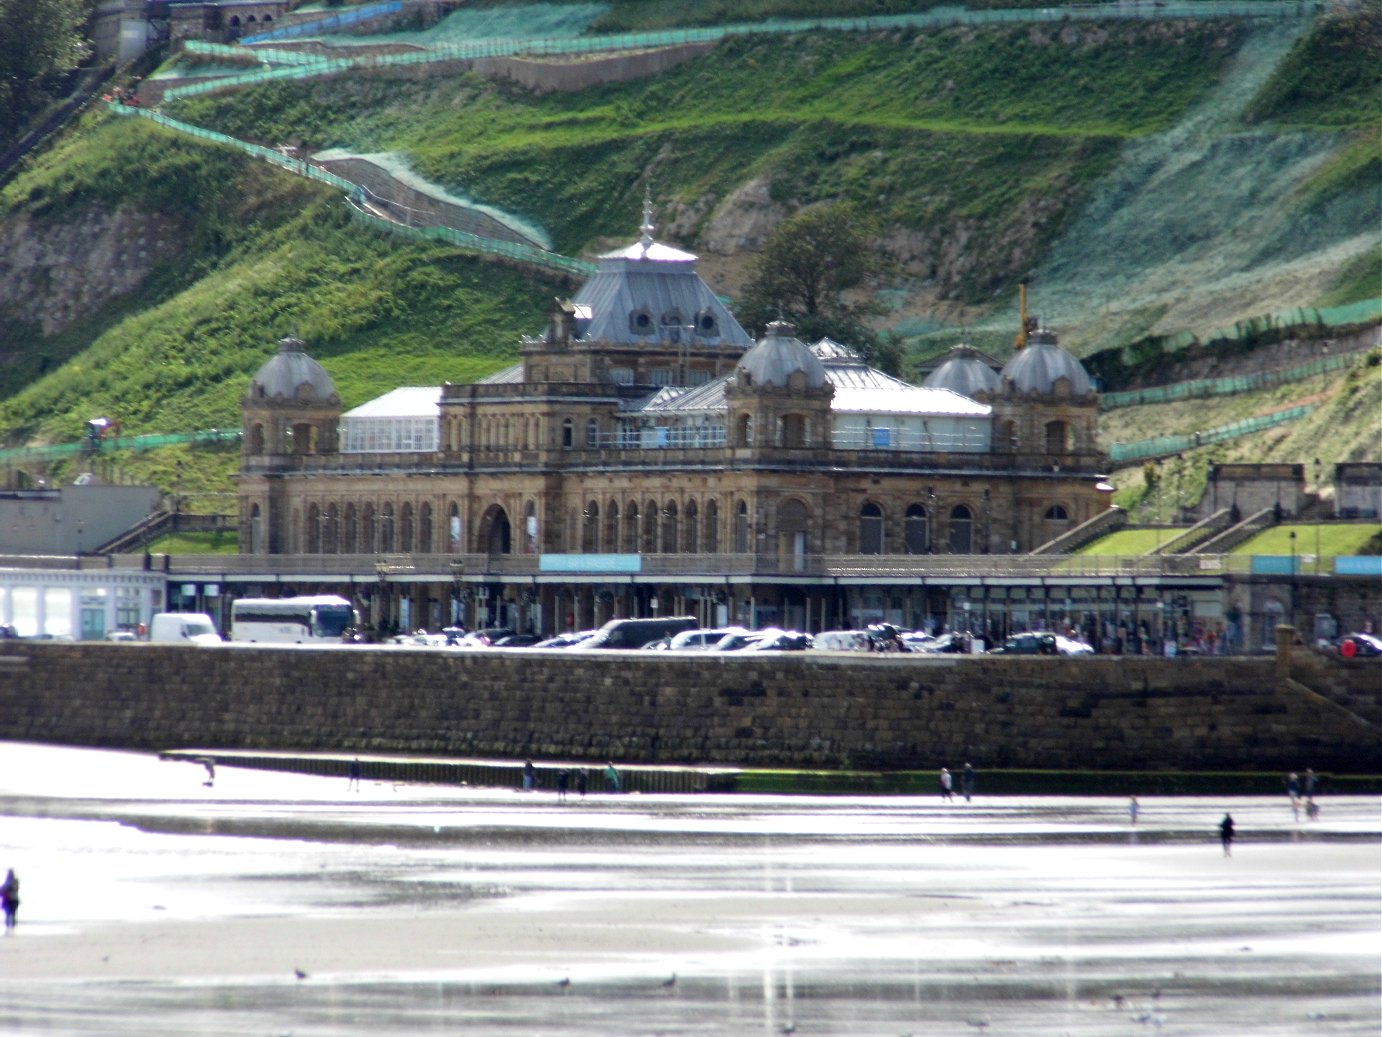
(803,710)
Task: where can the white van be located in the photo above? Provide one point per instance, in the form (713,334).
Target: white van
(190,628)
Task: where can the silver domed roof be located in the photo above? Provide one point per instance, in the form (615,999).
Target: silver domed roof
(1041,364)
(290,374)
(963,372)
(778,355)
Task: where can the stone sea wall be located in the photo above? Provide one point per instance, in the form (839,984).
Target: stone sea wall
(800,710)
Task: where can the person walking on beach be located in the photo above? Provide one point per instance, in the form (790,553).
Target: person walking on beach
(611,778)
(563,782)
(580,782)
(354,771)
(9,898)
(1226,834)
(1133,809)
(1312,785)
(968,780)
(946,785)
(529,776)
(1293,792)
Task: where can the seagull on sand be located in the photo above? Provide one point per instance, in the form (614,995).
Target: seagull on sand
(299,974)
(670,982)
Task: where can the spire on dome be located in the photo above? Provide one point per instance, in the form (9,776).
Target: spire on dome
(647,239)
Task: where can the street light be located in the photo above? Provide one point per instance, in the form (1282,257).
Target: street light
(1319,512)
(1292,537)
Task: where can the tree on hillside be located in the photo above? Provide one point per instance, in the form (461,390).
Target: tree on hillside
(40,42)
(808,264)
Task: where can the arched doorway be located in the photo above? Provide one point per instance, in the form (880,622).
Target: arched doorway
(496,533)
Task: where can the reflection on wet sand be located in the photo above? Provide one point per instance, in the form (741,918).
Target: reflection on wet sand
(278,903)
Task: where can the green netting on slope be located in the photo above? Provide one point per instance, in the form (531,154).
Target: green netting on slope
(1163,446)
(397,167)
(1200,388)
(57,451)
(530,21)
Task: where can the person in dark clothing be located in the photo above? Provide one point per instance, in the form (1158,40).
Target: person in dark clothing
(1226,834)
(9,898)
(580,782)
(968,780)
(563,782)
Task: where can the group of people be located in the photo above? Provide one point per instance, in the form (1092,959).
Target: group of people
(968,780)
(1302,794)
(613,781)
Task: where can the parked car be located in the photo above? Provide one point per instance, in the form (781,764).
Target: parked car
(569,639)
(1352,646)
(122,635)
(842,641)
(635,633)
(516,641)
(946,643)
(701,640)
(1032,643)
(737,642)
(774,640)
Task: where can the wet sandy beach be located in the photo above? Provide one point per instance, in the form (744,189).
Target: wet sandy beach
(153,904)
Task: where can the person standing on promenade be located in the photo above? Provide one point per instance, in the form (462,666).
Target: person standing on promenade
(612,783)
(529,775)
(1226,834)
(580,782)
(563,782)
(1293,791)
(1133,809)
(946,785)
(968,781)
(354,771)
(9,898)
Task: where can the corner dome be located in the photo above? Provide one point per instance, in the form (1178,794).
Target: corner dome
(778,356)
(963,372)
(290,374)
(1041,364)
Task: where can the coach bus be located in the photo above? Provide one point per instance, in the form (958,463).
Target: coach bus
(312,619)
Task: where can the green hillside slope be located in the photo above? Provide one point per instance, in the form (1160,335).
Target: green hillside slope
(1152,174)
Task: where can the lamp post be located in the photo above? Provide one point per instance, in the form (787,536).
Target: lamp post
(1292,537)
(1319,512)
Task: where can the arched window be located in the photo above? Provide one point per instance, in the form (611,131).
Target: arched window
(669,528)
(612,525)
(1007,436)
(406,530)
(496,532)
(743,430)
(349,534)
(530,532)
(590,528)
(312,538)
(691,535)
(453,530)
(961,530)
(386,529)
(870,529)
(568,434)
(648,542)
(368,534)
(741,528)
(1057,437)
(331,530)
(792,521)
(793,430)
(257,438)
(631,529)
(917,532)
(1056,513)
(424,529)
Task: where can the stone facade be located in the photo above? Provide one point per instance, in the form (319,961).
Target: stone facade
(646,425)
(797,710)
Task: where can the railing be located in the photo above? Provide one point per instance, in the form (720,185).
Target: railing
(581,45)
(1106,521)
(1201,388)
(705,569)
(354,16)
(1235,535)
(1202,530)
(1164,446)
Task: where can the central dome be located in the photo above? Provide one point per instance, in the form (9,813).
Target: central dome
(1041,364)
(290,374)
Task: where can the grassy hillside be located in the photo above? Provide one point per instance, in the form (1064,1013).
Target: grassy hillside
(1147,172)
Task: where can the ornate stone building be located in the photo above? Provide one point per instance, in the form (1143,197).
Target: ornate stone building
(646,454)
